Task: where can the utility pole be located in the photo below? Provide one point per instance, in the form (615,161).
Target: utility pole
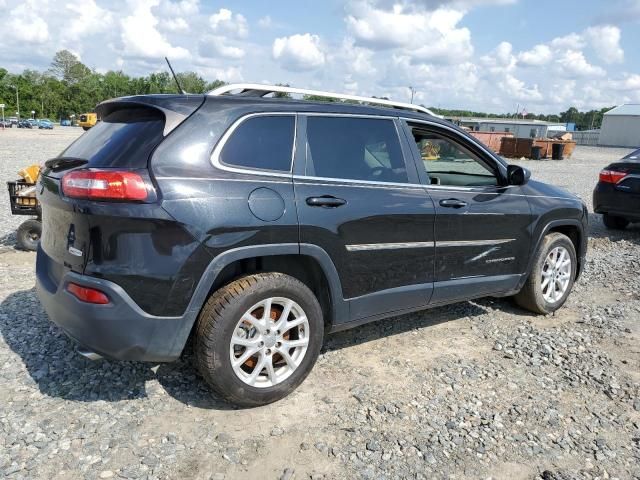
(2,107)
(17,100)
(413,91)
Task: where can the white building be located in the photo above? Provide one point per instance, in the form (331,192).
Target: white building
(621,127)
(520,128)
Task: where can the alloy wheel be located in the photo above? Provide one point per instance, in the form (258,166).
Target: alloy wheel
(556,274)
(269,342)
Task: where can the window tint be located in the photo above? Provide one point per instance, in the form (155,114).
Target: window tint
(355,149)
(125,138)
(264,142)
(449,163)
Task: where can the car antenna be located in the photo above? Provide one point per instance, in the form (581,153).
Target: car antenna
(180,89)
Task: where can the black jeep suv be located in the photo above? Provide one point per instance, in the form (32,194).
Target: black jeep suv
(255,225)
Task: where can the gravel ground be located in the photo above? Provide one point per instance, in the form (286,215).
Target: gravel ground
(476,390)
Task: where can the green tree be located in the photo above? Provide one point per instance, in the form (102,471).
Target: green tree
(67,67)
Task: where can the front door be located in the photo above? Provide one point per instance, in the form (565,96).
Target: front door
(482,226)
(360,200)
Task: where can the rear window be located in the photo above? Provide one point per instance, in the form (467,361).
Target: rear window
(124,138)
(264,142)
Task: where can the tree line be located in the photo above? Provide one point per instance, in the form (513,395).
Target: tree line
(583,120)
(70,87)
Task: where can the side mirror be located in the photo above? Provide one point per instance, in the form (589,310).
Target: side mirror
(517,175)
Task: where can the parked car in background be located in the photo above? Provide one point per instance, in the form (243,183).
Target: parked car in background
(65,123)
(13,120)
(6,123)
(617,194)
(45,124)
(87,120)
(25,124)
(310,217)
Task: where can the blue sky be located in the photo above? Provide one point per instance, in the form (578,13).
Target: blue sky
(489,55)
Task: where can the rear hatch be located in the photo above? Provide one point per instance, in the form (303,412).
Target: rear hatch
(122,143)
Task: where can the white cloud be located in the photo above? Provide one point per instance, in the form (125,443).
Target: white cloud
(299,52)
(228,74)
(627,84)
(357,60)
(423,32)
(572,41)
(265,22)
(536,57)
(605,40)
(140,36)
(225,22)
(26,25)
(517,90)
(177,24)
(214,46)
(180,8)
(573,63)
(88,18)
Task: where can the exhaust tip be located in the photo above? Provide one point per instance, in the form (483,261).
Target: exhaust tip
(88,354)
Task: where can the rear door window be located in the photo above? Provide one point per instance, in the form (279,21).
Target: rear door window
(262,142)
(124,138)
(366,149)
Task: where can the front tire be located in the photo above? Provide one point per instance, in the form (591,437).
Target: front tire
(28,235)
(552,275)
(257,338)
(613,222)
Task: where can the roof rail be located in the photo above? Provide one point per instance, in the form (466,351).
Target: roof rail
(258,90)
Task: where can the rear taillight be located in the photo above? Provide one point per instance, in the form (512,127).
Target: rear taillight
(612,176)
(86,294)
(105,185)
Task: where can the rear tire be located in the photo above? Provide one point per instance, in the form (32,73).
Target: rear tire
(86,128)
(613,222)
(28,235)
(545,298)
(234,323)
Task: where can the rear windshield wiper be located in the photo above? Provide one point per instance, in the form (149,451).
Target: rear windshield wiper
(63,163)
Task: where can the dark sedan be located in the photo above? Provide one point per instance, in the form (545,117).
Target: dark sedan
(617,194)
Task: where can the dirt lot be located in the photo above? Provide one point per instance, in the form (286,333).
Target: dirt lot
(476,390)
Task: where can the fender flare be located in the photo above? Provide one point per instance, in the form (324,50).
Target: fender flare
(215,267)
(568,222)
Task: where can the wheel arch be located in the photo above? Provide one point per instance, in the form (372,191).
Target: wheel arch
(573,229)
(308,263)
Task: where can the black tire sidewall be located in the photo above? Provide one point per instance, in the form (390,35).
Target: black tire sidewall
(23,235)
(225,379)
(549,244)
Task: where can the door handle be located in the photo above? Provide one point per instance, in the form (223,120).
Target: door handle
(326,201)
(453,203)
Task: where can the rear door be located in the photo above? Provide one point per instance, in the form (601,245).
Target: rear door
(359,199)
(482,226)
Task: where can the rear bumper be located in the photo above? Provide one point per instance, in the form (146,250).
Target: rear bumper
(607,199)
(118,330)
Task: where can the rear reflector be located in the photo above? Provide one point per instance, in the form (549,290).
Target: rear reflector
(612,176)
(86,294)
(104,185)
